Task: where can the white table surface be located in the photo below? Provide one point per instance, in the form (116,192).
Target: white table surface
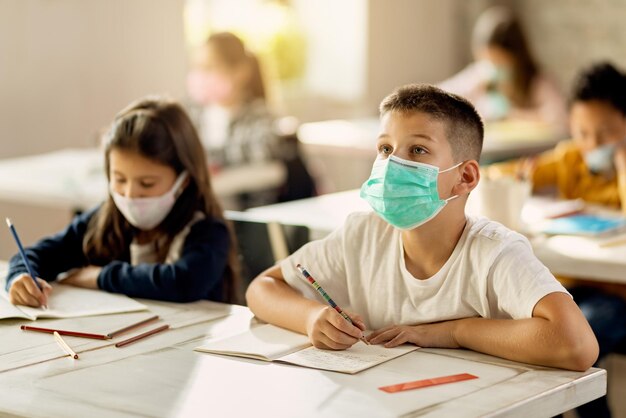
(162,376)
(572,256)
(74,178)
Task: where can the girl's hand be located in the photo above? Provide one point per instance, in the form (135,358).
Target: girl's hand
(24,291)
(439,334)
(327,329)
(86,277)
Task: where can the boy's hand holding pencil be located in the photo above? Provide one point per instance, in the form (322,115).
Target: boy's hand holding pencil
(331,327)
(327,329)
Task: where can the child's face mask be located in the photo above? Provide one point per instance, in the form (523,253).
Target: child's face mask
(600,160)
(206,87)
(404,193)
(146,213)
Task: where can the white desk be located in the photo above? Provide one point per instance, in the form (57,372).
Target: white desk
(162,377)
(577,257)
(342,151)
(74,178)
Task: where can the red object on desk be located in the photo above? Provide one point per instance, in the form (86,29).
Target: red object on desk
(142,336)
(417,384)
(64,332)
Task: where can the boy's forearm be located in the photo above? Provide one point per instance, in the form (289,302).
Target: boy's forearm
(273,301)
(533,340)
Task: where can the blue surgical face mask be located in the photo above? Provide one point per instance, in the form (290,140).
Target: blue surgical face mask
(600,160)
(404,193)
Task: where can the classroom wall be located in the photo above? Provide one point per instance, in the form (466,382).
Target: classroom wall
(410,41)
(569,34)
(67,66)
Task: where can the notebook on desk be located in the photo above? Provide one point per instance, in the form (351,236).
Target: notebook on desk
(271,343)
(70,302)
(585,224)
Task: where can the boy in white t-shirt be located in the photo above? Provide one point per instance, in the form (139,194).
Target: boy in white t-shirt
(418,270)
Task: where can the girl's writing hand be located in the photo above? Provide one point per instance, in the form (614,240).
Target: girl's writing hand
(84,277)
(439,334)
(329,330)
(24,291)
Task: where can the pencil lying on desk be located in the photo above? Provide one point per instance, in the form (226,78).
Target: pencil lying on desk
(142,336)
(64,332)
(64,345)
(132,326)
(326,297)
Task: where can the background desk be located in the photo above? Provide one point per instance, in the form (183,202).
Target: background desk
(341,152)
(162,377)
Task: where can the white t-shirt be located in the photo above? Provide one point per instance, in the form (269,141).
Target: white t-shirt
(492,273)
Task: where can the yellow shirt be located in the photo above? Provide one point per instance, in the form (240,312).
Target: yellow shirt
(564,168)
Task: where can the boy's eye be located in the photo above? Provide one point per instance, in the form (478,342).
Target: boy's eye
(146,184)
(418,150)
(119,180)
(385,149)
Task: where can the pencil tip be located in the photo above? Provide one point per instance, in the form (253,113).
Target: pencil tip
(8,222)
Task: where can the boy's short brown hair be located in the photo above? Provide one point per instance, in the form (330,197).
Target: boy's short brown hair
(464,127)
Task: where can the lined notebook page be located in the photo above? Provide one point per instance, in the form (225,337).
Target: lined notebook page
(353,360)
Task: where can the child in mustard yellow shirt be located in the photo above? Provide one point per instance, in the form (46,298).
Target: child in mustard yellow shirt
(590,166)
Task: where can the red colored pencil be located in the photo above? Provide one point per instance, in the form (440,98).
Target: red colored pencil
(69,333)
(141,336)
(132,326)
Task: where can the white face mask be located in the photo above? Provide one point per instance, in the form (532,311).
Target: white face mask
(146,213)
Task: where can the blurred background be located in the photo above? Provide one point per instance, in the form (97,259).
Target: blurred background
(67,66)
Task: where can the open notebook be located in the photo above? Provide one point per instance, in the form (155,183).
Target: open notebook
(69,302)
(271,343)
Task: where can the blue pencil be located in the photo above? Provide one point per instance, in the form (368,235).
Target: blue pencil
(23,253)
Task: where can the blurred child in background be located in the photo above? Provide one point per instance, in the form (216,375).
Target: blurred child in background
(505,81)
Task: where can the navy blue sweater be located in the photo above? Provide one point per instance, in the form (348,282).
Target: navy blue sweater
(198,274)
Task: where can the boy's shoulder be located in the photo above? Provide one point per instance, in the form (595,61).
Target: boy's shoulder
(484,234)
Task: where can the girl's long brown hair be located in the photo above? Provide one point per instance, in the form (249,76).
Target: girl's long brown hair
(160,130)
(498,27)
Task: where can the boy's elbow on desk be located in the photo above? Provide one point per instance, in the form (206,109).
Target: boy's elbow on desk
(580,353)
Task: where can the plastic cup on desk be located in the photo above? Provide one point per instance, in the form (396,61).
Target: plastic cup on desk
(503,199)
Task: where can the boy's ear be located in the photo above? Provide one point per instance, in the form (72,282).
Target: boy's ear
(470,175)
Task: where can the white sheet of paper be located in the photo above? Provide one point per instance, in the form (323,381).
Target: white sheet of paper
(356,358)
(265,342)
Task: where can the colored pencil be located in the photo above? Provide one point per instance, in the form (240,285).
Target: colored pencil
(20,248)
(132,326)
(326,297)
(142,336)
(64,345)
(65,332)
